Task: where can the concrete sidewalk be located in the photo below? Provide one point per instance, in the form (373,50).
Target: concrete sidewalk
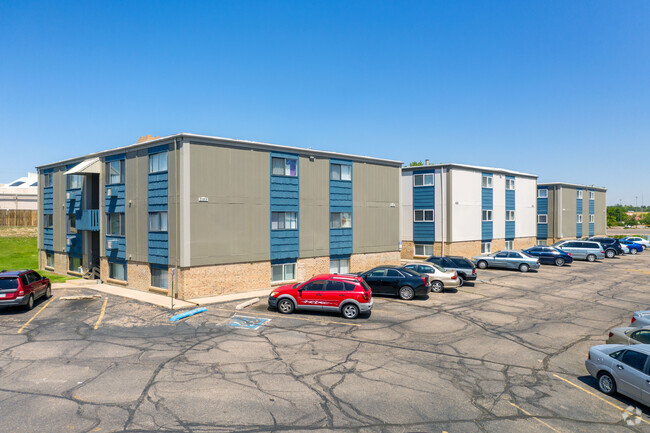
(156,299)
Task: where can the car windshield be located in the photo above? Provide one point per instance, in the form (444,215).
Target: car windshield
(8,283)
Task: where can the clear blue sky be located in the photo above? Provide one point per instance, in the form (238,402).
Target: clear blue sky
(560,89)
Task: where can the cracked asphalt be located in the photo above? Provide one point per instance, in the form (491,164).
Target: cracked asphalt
(503,355)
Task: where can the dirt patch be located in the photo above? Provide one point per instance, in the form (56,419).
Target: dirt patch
(18,232)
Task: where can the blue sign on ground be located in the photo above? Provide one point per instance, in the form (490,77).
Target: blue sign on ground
(246,322)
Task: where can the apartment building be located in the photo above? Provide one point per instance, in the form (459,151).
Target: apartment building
(569,211)
(204,215)
(457,209)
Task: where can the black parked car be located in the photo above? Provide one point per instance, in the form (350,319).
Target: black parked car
(611,245)
(395,280)
(550,255)
(464,268)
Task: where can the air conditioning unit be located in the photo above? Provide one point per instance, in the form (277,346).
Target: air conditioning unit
(68,241)
(109,245)
(67,196)
(109,192)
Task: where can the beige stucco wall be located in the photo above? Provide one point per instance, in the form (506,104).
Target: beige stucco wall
(569,196)
(600,212)
(313,216)
(137,225)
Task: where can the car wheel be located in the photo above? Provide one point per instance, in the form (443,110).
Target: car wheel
(437,287)
(606,383)
(30,303)
(350,311)
(406,293)
(48,292)
(591,258)
(524,267)
(482,264)
(285,306)
(559,261)
(461,281)
(633,251)
(610,254)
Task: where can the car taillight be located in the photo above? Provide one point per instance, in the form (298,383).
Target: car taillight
(588,355)
(633,319)
(454,277)
(602,252)
(569,254)
(425,280)
(474,271)
(365,297)
(611,334)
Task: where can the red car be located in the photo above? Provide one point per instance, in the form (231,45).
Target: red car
(346,294)
(23,288)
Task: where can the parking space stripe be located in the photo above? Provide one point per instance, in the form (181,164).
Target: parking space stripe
(34,316)
(535,418)
(101,314)
(599,397)
(289,317)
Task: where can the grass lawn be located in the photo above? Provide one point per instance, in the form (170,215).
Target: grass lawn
(22,253)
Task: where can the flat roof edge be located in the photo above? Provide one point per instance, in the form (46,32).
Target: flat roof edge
(575,185)
(473,167)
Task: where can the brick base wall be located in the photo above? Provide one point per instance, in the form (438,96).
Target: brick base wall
(223,279)
(310,267)
(408,249)
(103,269)
(464,249)
(521,243)
(138,275)
(364,262)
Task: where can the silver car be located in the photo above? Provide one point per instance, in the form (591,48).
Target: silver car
(623,369)
(507,259)
(640,318)
(629,335)
(582,250)
(440,277)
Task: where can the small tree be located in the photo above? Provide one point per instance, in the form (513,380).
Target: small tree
(416,164)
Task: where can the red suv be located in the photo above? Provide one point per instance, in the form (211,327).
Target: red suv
(346,294)
(23,288)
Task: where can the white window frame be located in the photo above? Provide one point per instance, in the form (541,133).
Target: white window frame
(509,245)
(337,172)
(48,221)
(284,220)
(486,247)
(486,215)
(592,195)
(510,184)
(422,217)
(47,180)
(579,218)
(542,218)
(541,242)
(486,181)
(162,280)
(158,221)
(542,193)
(340,220)
(120,216)
(156,164)
(510,215)
(110,165)
(579,194)
(592,218)
(287,166)
(340,266)
(423,250)
(284,271)
(425,179)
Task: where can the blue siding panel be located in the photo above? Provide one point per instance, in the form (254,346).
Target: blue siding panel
(115,203)
(117,157)
(542,206)
(285,197)
(118,252)
(423,232)
(159,248)
(340,198)
(542,231)
(48,199)
(592,229)
(158,149)
(592,206)
(75,246)
(510,230)
(510,199)
(73,204)
(157,196)
(48,239)
(486,231)
(487,197)
(158,201)
(578,212)
(423,197)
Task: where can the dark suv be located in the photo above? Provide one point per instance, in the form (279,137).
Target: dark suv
(464,268)
(611,246)
(23,288)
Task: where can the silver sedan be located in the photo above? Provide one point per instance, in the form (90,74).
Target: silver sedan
(622,369)
(629,335)
(506,259)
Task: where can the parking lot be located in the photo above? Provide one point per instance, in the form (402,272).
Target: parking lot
(505,354)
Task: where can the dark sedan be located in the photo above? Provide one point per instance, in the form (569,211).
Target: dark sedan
(550,255)
(396,281)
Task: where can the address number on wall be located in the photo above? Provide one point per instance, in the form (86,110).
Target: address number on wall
(203,199)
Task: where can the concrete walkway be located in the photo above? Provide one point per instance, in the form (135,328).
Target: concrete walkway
(156,299)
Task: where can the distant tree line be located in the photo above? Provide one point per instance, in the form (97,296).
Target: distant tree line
(617,216)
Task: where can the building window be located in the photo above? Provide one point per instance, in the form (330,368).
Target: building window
(486,247)
(486,215)
(115,224)
(340,220)
(114,172)
(74,181)
(541,242)
(579,218)
(423,250)
(510,215)
(159,277)
(284,220)
(486,181)
(592,218)
(509,245)
(157,221)
(117,271)
(72,224)
(423,215)
(339,266)
(47,180)
(423,179)
(510,184)
(542,193)
(158,162)
(340,172)
(579,192)
(49,260)
(284,272)
(592,195)
(284,167)
(48,221)
(74,264)
(542,219)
